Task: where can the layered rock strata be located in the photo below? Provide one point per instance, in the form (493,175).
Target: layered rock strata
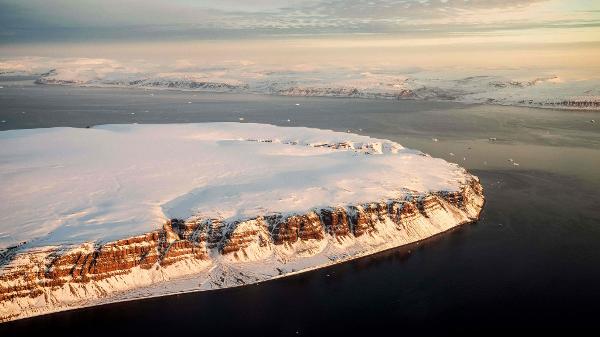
(41,280)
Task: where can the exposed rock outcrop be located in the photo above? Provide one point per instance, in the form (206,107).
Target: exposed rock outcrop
(40,280)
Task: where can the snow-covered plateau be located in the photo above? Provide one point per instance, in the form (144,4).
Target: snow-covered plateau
(542,88)
(117,212)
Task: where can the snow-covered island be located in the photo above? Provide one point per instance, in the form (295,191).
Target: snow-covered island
(540,88)
(116,212)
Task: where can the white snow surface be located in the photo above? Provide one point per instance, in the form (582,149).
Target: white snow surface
(71,185)
(539,87)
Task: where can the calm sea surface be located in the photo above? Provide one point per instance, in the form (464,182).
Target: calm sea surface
(531,264)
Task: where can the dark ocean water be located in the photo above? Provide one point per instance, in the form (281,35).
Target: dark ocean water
(532,263)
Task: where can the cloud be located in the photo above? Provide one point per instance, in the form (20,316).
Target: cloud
(143,19)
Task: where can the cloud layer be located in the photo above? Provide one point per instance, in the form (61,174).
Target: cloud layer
(26,20)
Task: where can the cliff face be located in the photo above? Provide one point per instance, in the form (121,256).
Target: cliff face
(48,279)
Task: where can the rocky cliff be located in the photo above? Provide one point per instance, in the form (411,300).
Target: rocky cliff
(217,254)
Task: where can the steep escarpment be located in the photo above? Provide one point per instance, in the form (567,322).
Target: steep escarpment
(52,278)
(40,279)
(161,209)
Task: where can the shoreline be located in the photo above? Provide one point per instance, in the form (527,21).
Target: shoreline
(546,106)
(274,278)
(112,278)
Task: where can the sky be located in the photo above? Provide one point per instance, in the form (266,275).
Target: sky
(493,33)
(38,20)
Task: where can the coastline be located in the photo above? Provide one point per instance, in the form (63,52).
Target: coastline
(224,267)
(560,105)
(116,298)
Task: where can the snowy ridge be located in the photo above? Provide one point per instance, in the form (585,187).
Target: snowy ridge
(206,206)
(260,259)
(539,88)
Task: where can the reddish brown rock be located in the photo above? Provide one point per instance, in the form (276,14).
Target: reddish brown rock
(367,216)
(179,240)
(94,263)
(242,234)
(304,227)
(336,222)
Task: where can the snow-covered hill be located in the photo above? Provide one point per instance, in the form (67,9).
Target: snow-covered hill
(538,88)
(88,215)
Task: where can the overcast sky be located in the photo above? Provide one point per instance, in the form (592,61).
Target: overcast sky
(43,20)
(409,33)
